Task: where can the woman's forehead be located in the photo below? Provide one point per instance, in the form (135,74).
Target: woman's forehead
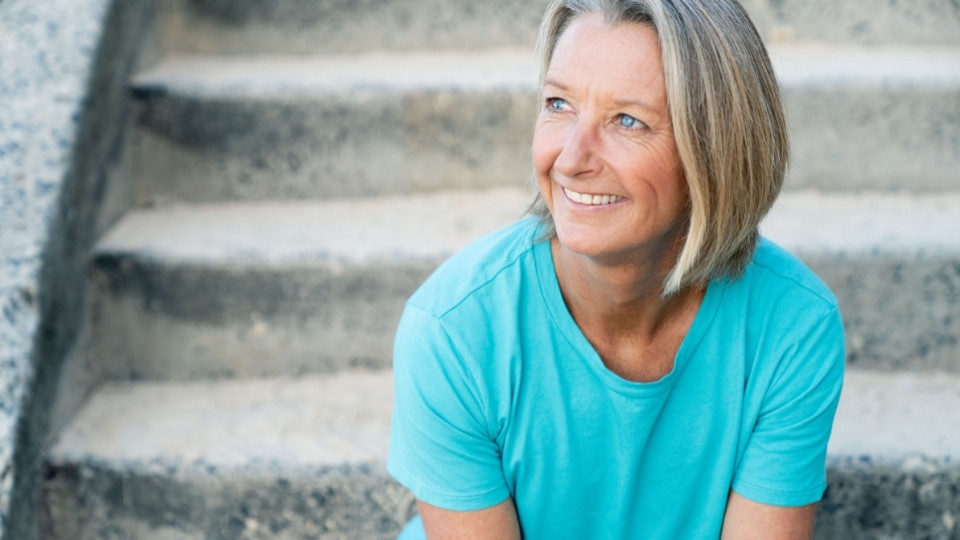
(620,57)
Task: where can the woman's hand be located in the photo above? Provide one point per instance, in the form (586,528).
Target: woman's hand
(748,520)
(495,523)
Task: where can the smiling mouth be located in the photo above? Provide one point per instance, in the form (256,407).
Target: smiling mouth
(592,200)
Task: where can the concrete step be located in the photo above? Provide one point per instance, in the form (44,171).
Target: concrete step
(212,129)
(256,459)
(245,290)
(892,467)
(893,260)
(299,26)
(311,26)
(303,458)
(216,128)
(869,22)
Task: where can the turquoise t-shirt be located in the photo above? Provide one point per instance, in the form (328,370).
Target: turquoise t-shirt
(499,394)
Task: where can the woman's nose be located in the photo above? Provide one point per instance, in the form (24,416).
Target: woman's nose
(578,157)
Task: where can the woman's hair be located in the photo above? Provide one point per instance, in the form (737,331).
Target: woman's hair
(727,118)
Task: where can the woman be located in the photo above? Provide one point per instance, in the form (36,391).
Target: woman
(633,361)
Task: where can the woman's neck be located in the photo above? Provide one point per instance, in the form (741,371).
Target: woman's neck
(614,293)
(621,309)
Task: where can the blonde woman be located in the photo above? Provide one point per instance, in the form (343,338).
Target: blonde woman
(633,361)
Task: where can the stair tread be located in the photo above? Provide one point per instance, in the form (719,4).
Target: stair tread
(344,419)
(873,222)
(304,27)
(427,226)
(254,128)
(349,230)
(319,73)
(305,421)
(898,415)
(514,68)
(224,285)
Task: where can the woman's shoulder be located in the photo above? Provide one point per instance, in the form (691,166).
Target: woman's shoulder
(486,261)
(782,274)
(778,292)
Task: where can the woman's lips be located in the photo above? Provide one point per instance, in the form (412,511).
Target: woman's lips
(591,200)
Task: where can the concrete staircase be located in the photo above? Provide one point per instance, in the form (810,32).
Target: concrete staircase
(300,166)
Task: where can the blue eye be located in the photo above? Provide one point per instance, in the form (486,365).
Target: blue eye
(629,122)
(556,104)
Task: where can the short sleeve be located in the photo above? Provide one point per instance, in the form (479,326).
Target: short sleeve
(784,462)
(441,445)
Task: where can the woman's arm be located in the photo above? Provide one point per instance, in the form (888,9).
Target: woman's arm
(748,520)
(495,523)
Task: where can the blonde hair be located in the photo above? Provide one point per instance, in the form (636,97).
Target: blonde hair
(727,117)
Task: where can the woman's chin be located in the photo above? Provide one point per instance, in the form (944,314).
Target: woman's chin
(583,240)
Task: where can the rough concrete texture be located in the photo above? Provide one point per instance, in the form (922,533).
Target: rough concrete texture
(909,499)
(213,129)
(894,470)
(888,417)
(302,458)
(872,22)
(220,290)
(893,260)
(305,26)
(381,124)
(282,288)
(315,421)
(281,458)
(93,501)
(47,55)
(872,118)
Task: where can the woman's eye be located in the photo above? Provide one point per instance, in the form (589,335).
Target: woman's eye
(556,104)
(629,122)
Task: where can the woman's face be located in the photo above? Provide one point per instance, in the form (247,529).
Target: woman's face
(603,148)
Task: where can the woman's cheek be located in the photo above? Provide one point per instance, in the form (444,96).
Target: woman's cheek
(546,147)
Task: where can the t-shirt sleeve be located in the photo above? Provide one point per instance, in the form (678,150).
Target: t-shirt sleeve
(442,446)
(784,462)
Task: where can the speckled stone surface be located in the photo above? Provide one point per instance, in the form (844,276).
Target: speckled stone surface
(298,26)
(46,55)
(251,128)
(281,458)
(303,458)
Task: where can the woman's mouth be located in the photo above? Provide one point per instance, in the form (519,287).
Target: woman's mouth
(592,200)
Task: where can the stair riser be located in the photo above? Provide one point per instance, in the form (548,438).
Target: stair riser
(187,149)
(863,501)
(900,312)
(894,137)
(297,26)
(859,21)
(187,323)
(334,146)
(91,502)
(172,323)
(896,501)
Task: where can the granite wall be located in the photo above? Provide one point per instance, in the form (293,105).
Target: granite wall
(63,104)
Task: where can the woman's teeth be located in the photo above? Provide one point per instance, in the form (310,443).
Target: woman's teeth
(586,198)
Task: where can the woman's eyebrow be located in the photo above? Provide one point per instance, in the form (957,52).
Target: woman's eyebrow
(554,83)
(636,102)
(622,102)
